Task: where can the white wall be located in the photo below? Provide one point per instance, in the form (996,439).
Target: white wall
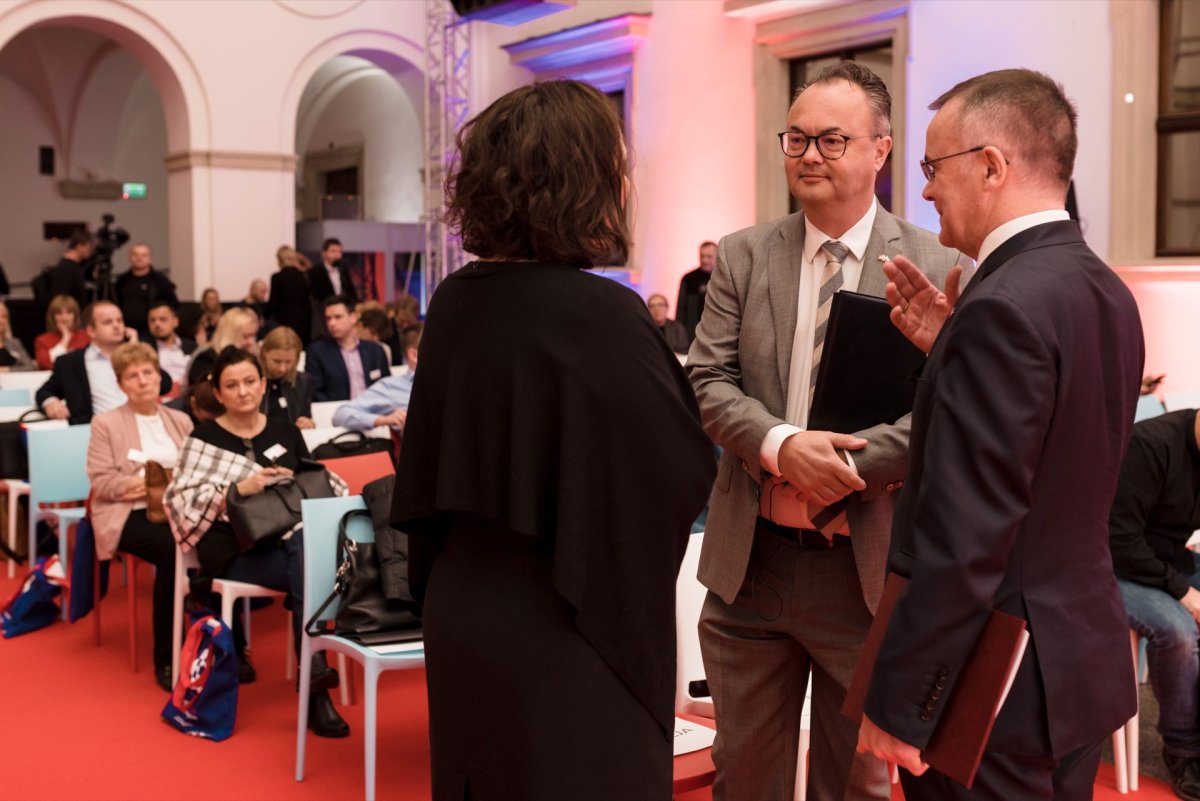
(1070,40)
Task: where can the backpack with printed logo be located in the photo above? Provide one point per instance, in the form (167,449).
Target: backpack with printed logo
(35,604)
(204,703)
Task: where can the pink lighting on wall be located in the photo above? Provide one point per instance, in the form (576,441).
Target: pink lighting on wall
(1168,298)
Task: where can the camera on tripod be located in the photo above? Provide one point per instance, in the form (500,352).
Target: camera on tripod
(109,238)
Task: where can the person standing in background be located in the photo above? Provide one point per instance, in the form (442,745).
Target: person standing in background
(693,288)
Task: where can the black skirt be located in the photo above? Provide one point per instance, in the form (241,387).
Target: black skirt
(520,705)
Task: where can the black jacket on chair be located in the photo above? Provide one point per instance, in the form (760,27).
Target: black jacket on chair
(325,366)
(69,383)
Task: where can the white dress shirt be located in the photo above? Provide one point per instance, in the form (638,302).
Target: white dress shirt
(106,394)
(335,278)
(172,359)
(1016,225)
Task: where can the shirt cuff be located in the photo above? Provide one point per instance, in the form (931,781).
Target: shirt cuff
(768,452)
(849,460)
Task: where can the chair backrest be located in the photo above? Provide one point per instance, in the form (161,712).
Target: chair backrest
(22,396)
(27,379)
(1148,406)
(1183,399)
(362,469)
(322,412)
(689,598)
(10,414)
(58,464)
(321,517)
(320,435)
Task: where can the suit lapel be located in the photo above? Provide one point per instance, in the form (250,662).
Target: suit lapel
(885,235)
(783,283)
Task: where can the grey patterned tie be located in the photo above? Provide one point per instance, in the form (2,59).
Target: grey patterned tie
(831,518)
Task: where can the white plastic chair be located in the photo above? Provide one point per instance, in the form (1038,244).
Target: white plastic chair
(322,412)
(30,379)
(1126,743)
(689,600)
(321,518)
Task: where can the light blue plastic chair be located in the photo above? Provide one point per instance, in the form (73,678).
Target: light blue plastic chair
(321,518)
(16,397)
(57,474)
(1148,406)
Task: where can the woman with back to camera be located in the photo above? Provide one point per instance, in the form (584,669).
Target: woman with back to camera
(122,442)
(246,448)
(288,302)
(64,333)
(552,465)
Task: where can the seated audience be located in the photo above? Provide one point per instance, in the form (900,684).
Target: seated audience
(63,332)
(1156,509)
(173,350)
(246,448)
(13,355)
(83,383)
(374,326)
(386,402)
(238,327)
(340,364)
(210,314)
(403,312)
(122,441)
(289,303)
(289,392)
(141,289)
(676,334)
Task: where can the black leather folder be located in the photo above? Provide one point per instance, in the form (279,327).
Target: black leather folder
(868,369)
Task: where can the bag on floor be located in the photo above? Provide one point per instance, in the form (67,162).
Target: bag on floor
(35,605)
(84,570)
(204,703)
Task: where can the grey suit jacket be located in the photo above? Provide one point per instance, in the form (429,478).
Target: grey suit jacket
(739,367)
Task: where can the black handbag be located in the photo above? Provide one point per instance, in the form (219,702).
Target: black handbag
(364,614)
(14,456)
(270,514)
(350,443)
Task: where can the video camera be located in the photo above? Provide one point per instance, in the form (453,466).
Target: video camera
(108,239)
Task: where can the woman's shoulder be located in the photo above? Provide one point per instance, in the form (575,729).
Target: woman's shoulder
(179,419)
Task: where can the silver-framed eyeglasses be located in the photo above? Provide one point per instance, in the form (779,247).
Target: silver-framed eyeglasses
(830,145)
(928,170)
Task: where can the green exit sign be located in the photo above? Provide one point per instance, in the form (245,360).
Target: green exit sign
(133,191)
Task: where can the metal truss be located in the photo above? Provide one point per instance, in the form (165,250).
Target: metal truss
(447,92)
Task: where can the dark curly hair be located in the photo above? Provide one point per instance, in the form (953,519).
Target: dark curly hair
(542,176)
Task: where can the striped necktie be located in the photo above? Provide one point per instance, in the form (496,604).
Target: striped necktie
(831,518)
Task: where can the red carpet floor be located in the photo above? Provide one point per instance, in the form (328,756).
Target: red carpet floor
(77,723)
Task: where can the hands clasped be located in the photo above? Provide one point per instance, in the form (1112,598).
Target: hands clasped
(262,479)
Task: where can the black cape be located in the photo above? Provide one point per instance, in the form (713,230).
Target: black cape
(548,401)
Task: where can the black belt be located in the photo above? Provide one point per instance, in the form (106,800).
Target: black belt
(807,538)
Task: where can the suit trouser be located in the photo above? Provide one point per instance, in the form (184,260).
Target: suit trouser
(1005,777)
(797,610)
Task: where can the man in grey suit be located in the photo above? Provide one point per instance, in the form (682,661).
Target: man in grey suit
(797,538)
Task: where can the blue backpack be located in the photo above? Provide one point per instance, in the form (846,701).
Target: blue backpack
(35,605)
(204,703)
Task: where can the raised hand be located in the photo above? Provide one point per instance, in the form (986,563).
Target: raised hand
(919,310)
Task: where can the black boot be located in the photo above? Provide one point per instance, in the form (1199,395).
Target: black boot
(246,672)
(162,675)
(1185,776)
(323,676)
(323,717)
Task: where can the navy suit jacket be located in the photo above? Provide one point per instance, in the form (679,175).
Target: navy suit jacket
(323,363)
(69,383)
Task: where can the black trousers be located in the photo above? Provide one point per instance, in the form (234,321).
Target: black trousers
(154,543)
(1006,777)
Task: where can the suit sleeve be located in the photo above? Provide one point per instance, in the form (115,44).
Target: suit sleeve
(732,418)
(994,390)
(314,368)
(53,388)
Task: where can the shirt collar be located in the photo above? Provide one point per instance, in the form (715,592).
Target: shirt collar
(175,343)
(855,239)
(352,347)
(93,352)
(1008,230)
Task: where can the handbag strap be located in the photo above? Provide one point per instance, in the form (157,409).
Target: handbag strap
(346,548)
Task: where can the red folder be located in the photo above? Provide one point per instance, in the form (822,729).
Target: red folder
(966,723)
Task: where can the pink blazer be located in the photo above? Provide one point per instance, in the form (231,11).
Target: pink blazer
(109,468)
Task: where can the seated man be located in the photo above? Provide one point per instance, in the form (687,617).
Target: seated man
(385,403)
(342,366)
(374,326)
(1156,509)
(83,382)
(173,350)
(673,330)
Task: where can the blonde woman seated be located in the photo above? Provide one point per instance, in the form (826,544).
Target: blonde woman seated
(64,332)
(289,392)
(237,327)
(122,441)
(246,448)
(13,355)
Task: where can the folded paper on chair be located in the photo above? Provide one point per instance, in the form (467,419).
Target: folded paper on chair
(867,370)
(962,732)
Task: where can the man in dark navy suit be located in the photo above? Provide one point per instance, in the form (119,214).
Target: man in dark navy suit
(1021,419)
(340,364)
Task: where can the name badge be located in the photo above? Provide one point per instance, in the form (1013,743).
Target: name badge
(275,452)
(375,374)
(136,456)
(283,403)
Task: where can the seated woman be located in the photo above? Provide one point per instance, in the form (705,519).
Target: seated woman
(238,327)
(63,332)
(13,355)
(246,448)
(122,441)
(289,393)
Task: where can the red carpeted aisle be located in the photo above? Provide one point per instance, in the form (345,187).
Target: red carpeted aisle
(77,723)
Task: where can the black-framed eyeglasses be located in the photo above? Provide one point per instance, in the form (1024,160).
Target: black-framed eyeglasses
(927,164)
(830,145)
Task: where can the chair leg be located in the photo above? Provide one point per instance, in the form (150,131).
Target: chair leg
(96,599)
(64,533)
(12,529)
(802,766)
(131,565)
(346,682)
(306,653)
(370,688)
(1132,729)
(246,619)
(1120,762)
(289,659)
